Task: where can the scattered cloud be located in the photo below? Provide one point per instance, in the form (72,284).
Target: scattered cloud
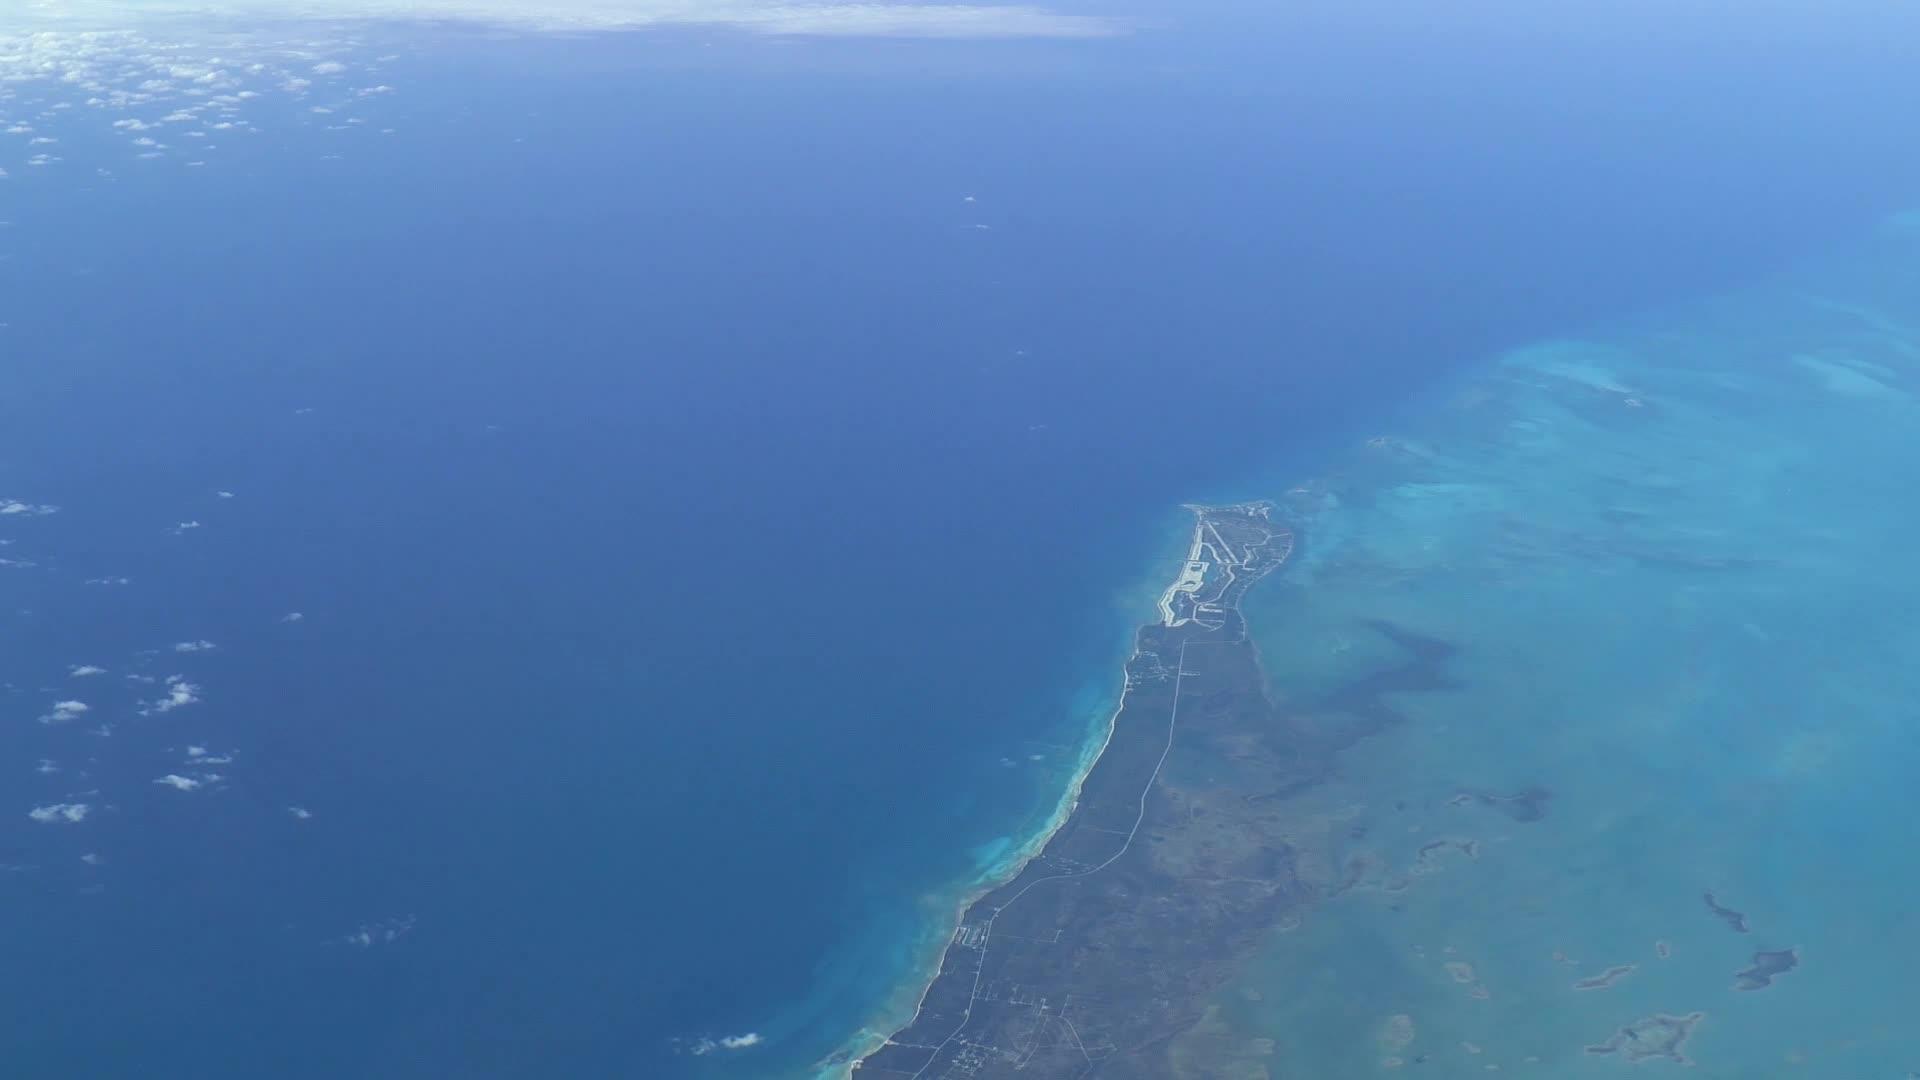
(704,1046)
(292,617)
(81,671)
(178,782)
(64,711)
(109,581)
(16,508)
(61,813)
(202,645)
(180,693)
(384,932)
(300,812)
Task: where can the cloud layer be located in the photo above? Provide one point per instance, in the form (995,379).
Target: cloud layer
(829,19)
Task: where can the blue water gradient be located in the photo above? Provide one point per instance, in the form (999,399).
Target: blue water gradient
(713,546)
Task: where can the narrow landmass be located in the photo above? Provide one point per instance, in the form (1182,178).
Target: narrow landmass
(1105,945)
(1183,851)
(1527,805)
(1732,918)
(1606,978)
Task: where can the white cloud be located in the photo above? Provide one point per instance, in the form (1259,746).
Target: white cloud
(384,932)
(180,693)
(300,812)
(329,67)
(828,18)
(64,711)
(223,494)
(202,645)
(178,782)
(702,1047)
(81,671)
(109,581)
(292,617)
(60,813)
(14,507)
(185,525)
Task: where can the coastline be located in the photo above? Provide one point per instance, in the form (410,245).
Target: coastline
(1180,602)
(844,1063)
(871,1039)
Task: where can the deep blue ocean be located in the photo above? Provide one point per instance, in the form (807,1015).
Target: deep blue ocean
(717,474)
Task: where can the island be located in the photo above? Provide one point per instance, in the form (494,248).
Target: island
(1175,858)
(1736,921)
(1768,965)
(1659,1037)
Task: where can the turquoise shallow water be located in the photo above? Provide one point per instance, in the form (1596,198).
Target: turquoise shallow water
(917,957)
(704,464)
(1673,558)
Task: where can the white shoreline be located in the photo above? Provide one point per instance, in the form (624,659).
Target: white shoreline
(870,1041)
